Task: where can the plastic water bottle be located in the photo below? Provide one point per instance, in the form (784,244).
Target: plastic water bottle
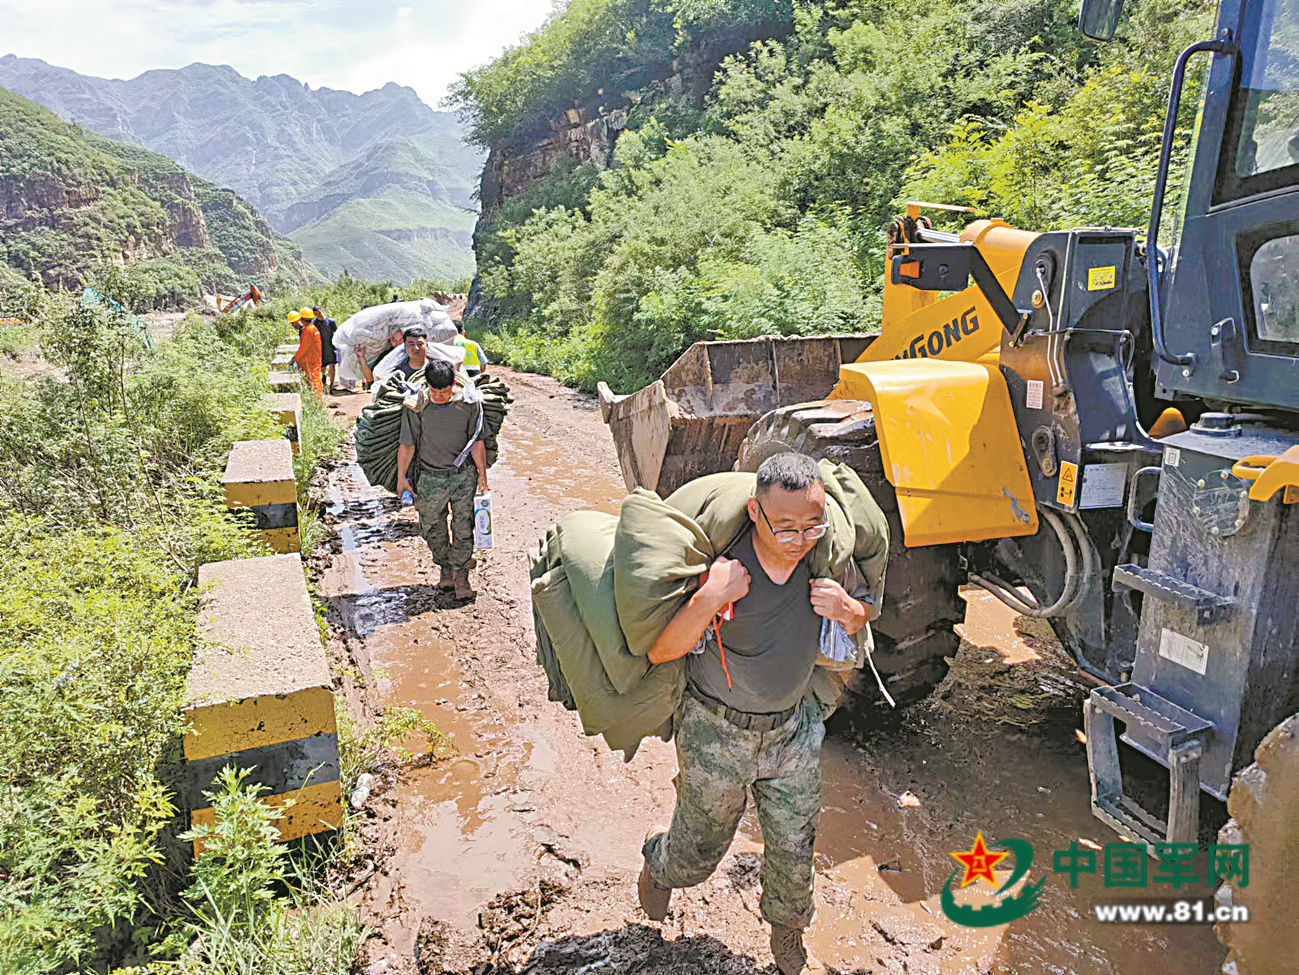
(482,521)
(364,783)
(407,499)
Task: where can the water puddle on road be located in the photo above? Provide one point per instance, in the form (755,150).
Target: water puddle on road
(454,830)
(553,475)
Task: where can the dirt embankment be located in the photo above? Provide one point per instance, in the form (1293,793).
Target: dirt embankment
(519,853)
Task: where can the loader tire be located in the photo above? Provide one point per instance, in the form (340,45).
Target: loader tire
(914,636)
(1264,808)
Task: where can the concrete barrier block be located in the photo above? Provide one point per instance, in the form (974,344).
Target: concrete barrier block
(289,348)
(282,361)
(287,409)
(284,382)
(259,694)
(259,476)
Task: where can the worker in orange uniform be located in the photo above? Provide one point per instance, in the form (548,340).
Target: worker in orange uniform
(307,358)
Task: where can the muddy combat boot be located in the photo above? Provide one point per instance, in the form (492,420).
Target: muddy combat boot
(446,577)
(463,589)
(792,958)
(654,898)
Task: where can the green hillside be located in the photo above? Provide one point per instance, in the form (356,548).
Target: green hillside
(74,202)
(392,237)
(396,213)
(763,208)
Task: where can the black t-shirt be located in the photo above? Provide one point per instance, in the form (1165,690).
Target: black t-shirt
(327,327)
(405,369)
(771,643)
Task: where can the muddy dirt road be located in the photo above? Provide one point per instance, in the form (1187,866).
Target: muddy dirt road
(519,853)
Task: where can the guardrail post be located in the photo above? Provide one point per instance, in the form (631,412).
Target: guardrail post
(259,695)
(259,476)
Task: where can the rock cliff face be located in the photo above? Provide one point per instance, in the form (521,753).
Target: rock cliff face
(587,133)
(577,136)
(332,169)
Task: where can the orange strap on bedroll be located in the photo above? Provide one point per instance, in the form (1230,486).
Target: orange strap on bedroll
(717,630)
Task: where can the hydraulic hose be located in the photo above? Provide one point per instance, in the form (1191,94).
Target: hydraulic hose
(1073,541)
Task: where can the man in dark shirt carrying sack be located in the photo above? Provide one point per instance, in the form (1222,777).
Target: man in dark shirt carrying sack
(748,721)
(444,433)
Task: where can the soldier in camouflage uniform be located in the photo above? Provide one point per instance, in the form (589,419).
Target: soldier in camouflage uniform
(748,722)
(443,433)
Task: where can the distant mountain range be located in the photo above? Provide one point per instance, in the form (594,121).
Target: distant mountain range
(378,184)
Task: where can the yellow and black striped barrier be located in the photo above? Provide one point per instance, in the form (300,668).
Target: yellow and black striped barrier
(287,409)
(259,695)
(259,476)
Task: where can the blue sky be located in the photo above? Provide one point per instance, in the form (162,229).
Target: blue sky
(355,45)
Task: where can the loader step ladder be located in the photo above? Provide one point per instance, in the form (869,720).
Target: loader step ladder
(1208,606)
(1179,735)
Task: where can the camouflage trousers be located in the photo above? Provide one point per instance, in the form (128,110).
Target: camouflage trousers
(434,492)
(718,764)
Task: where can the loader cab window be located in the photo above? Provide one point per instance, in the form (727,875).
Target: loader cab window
(1261,151)
(1270,265)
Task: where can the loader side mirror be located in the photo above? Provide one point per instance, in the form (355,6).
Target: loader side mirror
(1097,19)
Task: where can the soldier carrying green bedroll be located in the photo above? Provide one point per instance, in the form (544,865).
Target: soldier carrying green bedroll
(439,436)
(748,721)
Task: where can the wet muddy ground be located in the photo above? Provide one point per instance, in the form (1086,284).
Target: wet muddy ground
(519,852)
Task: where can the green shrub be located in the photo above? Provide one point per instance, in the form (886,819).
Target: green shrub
(766,214)
(590,47)
(122,204)
(110,499)
(253,911)
(96,634)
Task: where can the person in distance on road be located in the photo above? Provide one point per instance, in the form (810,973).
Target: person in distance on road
(748,721)
(328,355)
(420,344)
(475,359)
(406,359)
(415,340)
(307,358)
(437,438)
(395,340)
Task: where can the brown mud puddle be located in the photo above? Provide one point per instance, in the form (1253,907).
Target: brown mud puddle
(519,853)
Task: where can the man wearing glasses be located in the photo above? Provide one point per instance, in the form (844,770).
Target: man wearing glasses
(747,721)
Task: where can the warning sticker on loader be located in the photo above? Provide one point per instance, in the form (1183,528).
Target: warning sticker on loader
(1033,394)
(1068,483)
(1100,278)
(1180,649)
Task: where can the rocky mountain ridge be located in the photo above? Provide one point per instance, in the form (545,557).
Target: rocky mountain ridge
(377,162)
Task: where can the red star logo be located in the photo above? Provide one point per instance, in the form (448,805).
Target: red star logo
(978,862)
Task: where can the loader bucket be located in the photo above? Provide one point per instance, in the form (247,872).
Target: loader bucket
(692,420)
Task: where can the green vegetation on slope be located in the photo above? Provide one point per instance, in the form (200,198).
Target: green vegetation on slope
(593,45)
(404,210)
(395,235)
(295,152)
(766,213)
(110,499)
(77,201)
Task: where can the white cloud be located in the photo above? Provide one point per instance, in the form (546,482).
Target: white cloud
(355,45)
